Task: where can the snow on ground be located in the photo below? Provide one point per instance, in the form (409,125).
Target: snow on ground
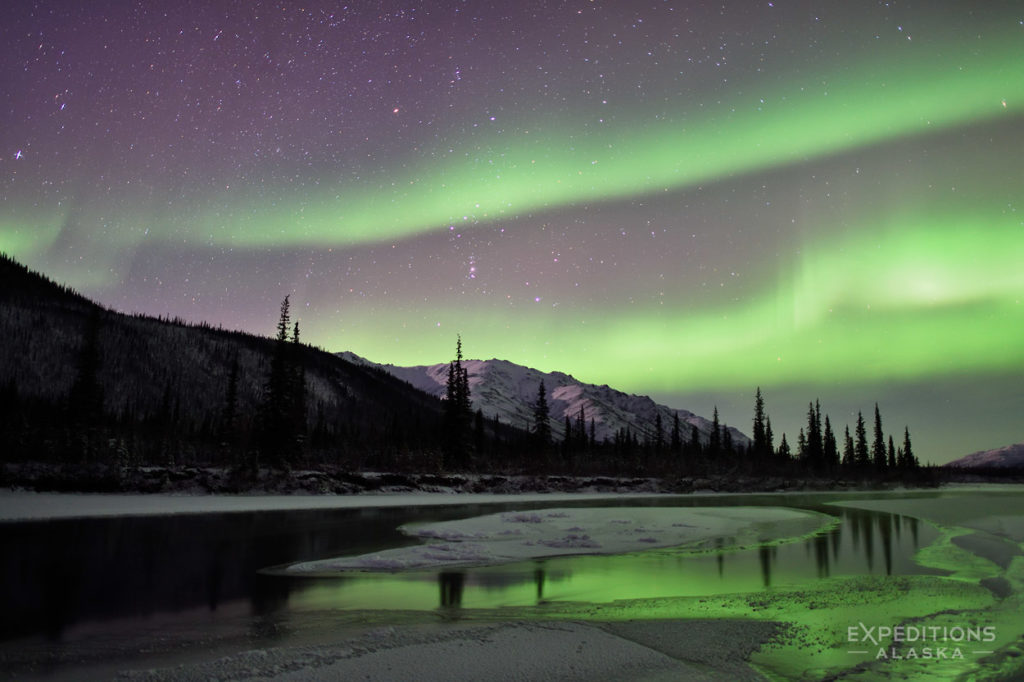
(709,650)
(31,506)
(517,536)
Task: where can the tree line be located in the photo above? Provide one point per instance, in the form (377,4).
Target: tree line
(677,448)
(127,391)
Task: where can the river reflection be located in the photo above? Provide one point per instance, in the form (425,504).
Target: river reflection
(60,574)
(849,548)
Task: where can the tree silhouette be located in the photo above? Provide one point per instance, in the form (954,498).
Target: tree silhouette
(727,447)
(675,439)
(813,453)
(694,446)
(862,458)
(849,458)
(878,453)
(760,444)
(784,452)
(567,441)
(831,450)
(297,389)
(283,427)
(715,438)
(457,412)
(541,414)
(909,460)
(580,429)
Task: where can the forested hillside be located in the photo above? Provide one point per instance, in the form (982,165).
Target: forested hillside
(82,384)
(96,399)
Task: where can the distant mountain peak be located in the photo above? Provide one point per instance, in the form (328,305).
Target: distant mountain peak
(1006,457)
(503,388)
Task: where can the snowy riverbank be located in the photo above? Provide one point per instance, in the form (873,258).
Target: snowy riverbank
(793,630)
(31,506)
(509,537)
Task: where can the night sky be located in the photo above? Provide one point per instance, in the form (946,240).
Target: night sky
(682,199)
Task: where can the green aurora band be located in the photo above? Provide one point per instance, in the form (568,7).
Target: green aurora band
(916,300)
(813,118)
(928,293)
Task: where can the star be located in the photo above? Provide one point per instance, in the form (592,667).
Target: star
(644,155)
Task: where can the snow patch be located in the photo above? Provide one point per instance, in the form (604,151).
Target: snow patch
(488,540)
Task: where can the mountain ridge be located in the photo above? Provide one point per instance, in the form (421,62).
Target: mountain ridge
(161,385)
(1005,457)
(509,390)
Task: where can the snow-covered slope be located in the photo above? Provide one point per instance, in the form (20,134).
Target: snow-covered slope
(1008,456)
(503,388)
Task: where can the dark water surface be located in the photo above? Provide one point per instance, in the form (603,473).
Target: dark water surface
(65,577)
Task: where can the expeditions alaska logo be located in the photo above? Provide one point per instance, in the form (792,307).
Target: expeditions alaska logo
(934,642)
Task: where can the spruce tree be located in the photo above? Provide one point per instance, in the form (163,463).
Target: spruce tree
(910,461)
(278,432)
(892,455)
(878,453)
(727,445)
(784,452)
(298,396)
(831,450)
(541,414)
(659,434)
(769,437)
(457,412)
(451,403)
(715,438)
(284,320)
(676,441)
(760,444)
(849,458)
(813,452)
(862,458)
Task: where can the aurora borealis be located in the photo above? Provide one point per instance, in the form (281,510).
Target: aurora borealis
(674,198)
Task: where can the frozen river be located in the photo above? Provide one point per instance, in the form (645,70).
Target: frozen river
(80,586)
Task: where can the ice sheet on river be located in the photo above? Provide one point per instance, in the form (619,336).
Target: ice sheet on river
(517,536)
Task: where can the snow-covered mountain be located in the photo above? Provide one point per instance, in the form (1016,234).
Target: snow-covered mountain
(1008,457)
(508,390)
